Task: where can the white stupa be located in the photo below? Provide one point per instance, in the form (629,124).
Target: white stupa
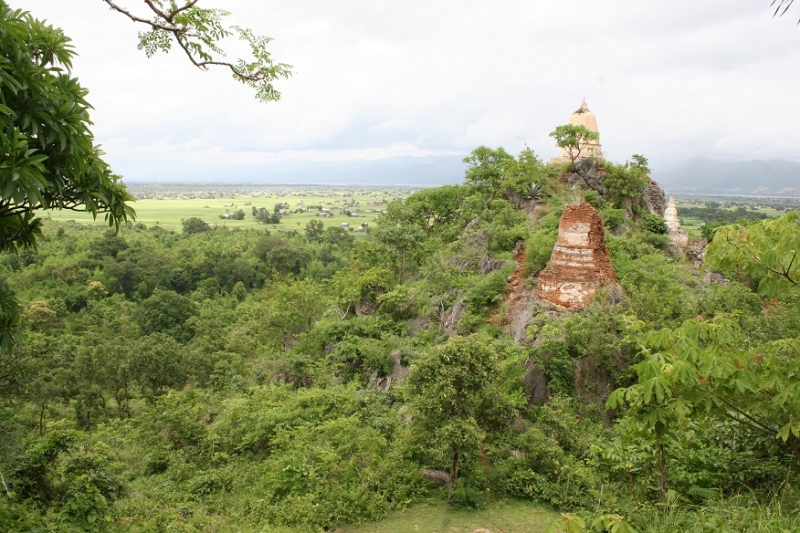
(583,117)
(679,237)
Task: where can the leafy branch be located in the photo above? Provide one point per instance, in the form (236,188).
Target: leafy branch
(198,32)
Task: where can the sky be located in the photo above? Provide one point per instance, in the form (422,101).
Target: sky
(374,79)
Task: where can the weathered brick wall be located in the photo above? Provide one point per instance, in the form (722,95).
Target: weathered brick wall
(579,265)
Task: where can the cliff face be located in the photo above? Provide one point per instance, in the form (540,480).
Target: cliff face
(579,265)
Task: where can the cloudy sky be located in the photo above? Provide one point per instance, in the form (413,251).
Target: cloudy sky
(669,80)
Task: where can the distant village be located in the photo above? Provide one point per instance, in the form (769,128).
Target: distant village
(324,201)
(338,194)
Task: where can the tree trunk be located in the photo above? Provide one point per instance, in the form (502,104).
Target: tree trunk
(662,471)
(453,475)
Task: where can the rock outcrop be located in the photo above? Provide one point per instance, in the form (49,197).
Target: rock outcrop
(471,252)
(654,198)
(678,236)
(579,265)
(587,175)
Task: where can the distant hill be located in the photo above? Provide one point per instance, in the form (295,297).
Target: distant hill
(399,170)
(710,176)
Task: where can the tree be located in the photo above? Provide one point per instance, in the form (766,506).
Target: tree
(198,32)
(50,160)
(574,140)
(457,399)
(294,307)
(763,252)
(435,209)
(166,312)
(314,230)
(487,170)
(156,363)
(49,157)
(714,368)
(624,184)
(709,368)
(401,243)
(194,225)
(496,174)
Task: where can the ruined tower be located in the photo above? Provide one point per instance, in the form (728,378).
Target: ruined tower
(579,265)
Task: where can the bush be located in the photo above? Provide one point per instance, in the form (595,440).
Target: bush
(653,224)
(338,472)
(194,225)
(613,219)
(538,250)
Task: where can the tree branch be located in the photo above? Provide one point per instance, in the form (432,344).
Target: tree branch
(756,260)
(157,11)
(3,481)
(134,18)
(181,33)
(764,427)
(181,9)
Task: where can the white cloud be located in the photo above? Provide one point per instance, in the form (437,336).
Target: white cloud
(666,79)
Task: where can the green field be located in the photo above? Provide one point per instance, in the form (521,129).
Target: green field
(167,207)
(771,207)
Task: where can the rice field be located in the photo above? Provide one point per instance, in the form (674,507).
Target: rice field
(166,207)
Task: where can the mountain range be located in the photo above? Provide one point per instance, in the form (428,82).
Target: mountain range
(399,170)
(698,175)
(702,175)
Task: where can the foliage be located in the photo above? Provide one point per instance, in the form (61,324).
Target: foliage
(573,139)
(625,183)
(539,246)
(253,380)
(782,6)
(194,225)
(653,224)
(706,368)
(198,32)
(50,161)
(495,173)
(762,252)
(166,312)
(457,400)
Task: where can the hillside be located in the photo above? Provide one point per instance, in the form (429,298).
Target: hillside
(534,338)
(710,176)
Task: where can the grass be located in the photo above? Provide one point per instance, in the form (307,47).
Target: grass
(437,517)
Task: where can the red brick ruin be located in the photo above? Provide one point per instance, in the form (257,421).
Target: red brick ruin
(579,265)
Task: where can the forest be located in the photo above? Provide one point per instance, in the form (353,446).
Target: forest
(313,379)
(236,380)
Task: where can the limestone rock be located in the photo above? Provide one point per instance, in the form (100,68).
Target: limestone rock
(489,264)
(524,307)
(451,317)
(579,265)
(535,384)
(587,175)
(396,375)
(471,252)
(654,198)
(440,477)
(696,252)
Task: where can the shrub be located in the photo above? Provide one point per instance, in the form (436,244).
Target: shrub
(653,224)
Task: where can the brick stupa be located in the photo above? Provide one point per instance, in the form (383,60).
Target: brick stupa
(579,265)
